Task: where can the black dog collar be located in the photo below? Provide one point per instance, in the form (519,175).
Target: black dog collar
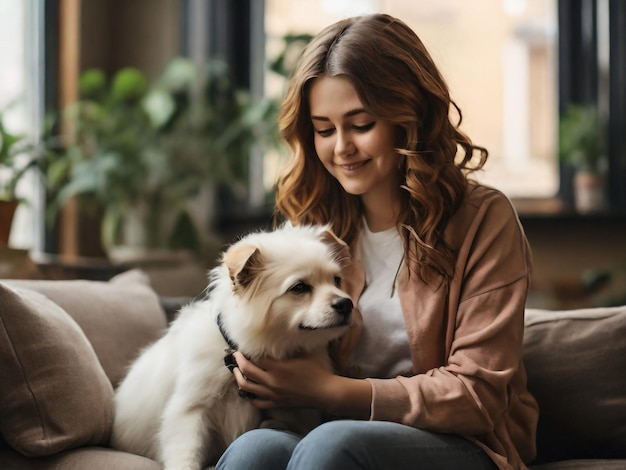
(229,359)
(231,344)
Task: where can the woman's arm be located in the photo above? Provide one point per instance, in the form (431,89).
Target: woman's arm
(467,382)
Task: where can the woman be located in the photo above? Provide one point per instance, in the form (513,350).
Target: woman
(441,268)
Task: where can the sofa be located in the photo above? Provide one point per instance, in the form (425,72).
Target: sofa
(65,345)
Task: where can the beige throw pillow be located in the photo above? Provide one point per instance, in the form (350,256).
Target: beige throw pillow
(119,317)
(54,394)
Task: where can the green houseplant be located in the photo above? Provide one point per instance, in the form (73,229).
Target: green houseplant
(582,147)
(143,152)
(15,161)
(19,155)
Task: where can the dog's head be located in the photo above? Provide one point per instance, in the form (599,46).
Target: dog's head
(286,291)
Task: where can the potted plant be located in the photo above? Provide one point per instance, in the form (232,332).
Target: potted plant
(144,152)
(102,161)
(12,169)
(18,156)
(582,146)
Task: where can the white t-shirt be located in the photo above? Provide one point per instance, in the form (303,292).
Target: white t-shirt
(383,349)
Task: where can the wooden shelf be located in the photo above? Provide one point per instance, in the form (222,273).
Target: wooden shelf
(555,209)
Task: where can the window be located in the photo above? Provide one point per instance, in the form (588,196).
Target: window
(20,97)
(499,58)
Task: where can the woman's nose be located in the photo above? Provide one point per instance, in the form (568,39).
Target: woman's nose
(344,144)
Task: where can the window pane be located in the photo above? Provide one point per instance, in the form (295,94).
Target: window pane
(12,92)
(499,59)
(19,99)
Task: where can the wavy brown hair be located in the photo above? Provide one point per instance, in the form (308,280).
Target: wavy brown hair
(397,82)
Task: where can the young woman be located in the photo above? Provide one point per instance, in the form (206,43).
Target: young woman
(433,376)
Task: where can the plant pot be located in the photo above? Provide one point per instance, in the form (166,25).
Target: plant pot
(7,211)
(589,192)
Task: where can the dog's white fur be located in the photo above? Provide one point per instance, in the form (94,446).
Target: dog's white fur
(276,294)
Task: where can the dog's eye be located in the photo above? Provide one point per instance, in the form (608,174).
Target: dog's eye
(337,281)
(300,288)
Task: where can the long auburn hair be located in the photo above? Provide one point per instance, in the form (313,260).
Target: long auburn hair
(397,82)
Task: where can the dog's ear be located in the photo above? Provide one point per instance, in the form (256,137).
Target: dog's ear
(339,248)
(328,236)
(244,262)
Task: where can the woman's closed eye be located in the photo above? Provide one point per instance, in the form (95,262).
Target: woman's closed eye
(365,127)
(357,128)
(325,132)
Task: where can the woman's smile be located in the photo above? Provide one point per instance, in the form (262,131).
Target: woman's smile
(352,168)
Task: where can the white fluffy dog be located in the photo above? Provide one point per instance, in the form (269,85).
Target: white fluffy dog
(275,294)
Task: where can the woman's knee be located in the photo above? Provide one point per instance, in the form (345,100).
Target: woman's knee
(259,449)
(336,444)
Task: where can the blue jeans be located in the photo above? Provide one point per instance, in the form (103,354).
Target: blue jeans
(347,445)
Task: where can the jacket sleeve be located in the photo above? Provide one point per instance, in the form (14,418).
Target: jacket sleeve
(483,324)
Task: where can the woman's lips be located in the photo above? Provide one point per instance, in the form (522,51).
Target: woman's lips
(354,166)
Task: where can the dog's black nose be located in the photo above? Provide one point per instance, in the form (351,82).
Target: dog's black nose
(343,306)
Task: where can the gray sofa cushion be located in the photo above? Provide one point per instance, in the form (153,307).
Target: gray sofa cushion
(83,458)
(63,346)
(576,364)
(119,317)
(54,394)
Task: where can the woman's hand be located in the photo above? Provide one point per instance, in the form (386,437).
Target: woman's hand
(297,382)
(301,382)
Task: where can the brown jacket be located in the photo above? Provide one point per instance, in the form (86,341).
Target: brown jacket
(466,337)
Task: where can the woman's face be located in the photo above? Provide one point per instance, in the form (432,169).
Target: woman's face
(353,146)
